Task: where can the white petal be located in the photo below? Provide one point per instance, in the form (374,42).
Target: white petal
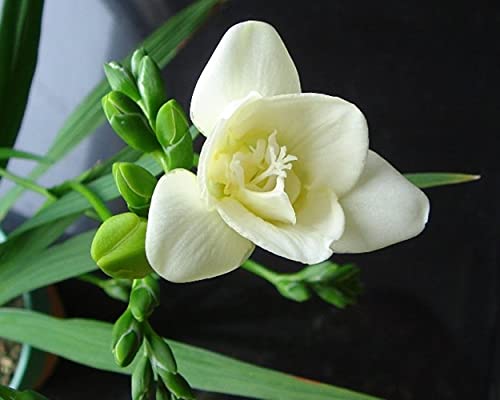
(320,221)
(273,205)
(328,135)
(383,208)
(184,240)
(251,57)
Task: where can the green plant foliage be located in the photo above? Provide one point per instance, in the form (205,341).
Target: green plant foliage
(41,268)
(6,153)
(11,394)
(433,179)
(19,37)
(162,46)
(88,342)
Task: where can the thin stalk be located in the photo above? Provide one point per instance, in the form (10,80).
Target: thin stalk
(28,184)
(260,270)
(89,278)
(161,159)
(95,201)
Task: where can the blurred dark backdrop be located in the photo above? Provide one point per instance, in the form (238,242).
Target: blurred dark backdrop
(426,76)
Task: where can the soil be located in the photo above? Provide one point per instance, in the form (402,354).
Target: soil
(9,352)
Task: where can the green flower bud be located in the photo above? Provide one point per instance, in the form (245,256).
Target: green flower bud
(293,290)
(172,131)
(118,289)
(136,186)
(121,79)
(126,339)
(129,122)
(332,295)
(145,297)
(181,154)
(118,247)
(142,379)
(135,61)
(171,123)
(323,272)
(177,385)
(151,86)
(162,356)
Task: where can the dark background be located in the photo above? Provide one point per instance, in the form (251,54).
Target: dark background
(426,76)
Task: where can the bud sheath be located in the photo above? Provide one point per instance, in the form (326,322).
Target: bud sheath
(136,186)
(129,122)
(118,247)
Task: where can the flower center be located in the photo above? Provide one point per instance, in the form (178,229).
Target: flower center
(259,175)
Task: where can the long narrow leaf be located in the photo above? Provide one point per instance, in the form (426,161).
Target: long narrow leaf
(19,37)
(6,153)
(64,261)
(432,179)
(103,186)
(17,250)
(162,45)
(88,342)
(26,183)
(73,202)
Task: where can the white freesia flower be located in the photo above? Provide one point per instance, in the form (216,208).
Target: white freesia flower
(284,170)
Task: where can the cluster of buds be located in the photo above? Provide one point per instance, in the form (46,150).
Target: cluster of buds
(155,369)
(336,284)
(138,111)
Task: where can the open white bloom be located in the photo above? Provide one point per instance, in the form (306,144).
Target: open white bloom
(287,171)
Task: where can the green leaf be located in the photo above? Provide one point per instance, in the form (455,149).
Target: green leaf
(162,45)
(41,268)
(432,179)
(19,37)
(7,393)
(25,245)
(6,153)
(126,154)
(74,203)
(27,184)
(88,342)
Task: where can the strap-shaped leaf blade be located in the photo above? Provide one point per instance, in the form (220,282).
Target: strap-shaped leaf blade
(426,180)
(42,268)
(162,45)
(6,153)
(88,342)
(74,203)
(19,38)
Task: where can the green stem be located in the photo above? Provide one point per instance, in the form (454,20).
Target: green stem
(260,270)
(89,278)
(28,184)
(95,201)
(161,159)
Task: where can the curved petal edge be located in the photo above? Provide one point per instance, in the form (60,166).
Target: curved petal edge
(382,209)
(185,241)
(251,57)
